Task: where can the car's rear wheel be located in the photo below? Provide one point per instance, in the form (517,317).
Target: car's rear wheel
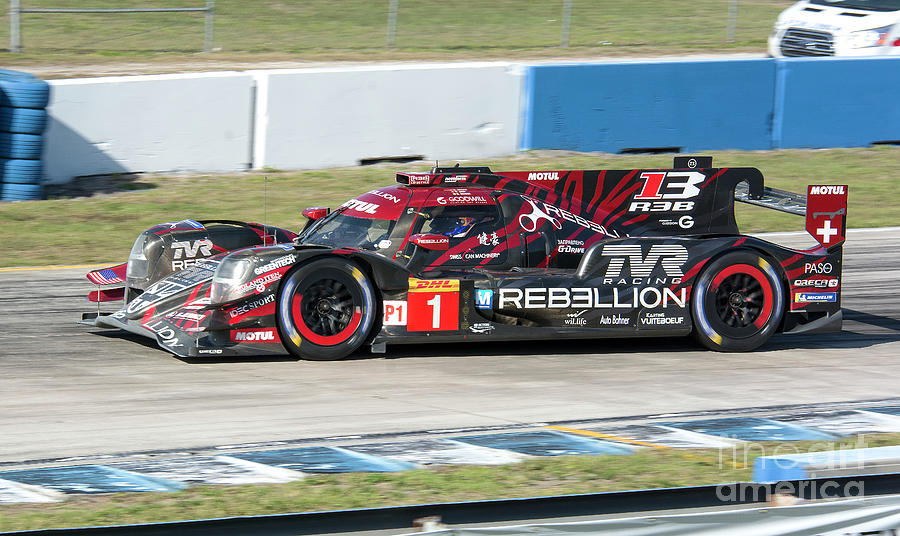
(738,302)
(326,309)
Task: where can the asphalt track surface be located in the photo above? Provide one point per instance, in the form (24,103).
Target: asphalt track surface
(68,390)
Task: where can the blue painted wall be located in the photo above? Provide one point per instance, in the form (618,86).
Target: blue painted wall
(708,105)
(830,102)
(615,106)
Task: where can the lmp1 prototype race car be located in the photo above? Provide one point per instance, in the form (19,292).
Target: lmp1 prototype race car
(465,254)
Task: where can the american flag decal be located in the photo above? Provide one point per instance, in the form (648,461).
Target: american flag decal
(108,276)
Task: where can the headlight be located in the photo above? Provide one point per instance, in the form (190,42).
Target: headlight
(147,247)
(228,278)
(869,38)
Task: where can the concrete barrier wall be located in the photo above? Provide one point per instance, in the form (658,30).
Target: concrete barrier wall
(191,122)
(313,118)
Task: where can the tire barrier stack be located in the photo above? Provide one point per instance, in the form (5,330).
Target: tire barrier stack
(23,117)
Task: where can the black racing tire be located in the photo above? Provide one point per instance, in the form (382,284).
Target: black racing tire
(738,302)
(326,309)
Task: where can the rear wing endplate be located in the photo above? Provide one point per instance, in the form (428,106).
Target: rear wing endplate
(772,198)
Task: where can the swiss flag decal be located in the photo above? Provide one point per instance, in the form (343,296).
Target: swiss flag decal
(826,213)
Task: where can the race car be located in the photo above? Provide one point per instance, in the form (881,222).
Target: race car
(469,254)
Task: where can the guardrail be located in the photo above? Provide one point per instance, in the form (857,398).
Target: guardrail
(16,9)
(503,510)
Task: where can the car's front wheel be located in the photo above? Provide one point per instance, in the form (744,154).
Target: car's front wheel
(737,303)
(326,309)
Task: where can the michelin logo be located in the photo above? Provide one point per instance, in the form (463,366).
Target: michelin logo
(816,297)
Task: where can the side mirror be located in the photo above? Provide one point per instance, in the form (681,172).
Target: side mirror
(312,214)
(315,213)
(431,242)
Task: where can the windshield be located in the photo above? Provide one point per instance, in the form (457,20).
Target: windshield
(341,230)
(870,5)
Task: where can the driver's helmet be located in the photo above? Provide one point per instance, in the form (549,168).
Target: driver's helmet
(454,227)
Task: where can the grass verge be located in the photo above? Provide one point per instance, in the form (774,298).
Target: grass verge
(646,468)
(102,227)
(323,30)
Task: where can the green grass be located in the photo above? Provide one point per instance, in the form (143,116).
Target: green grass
(102,228)
(646,468)
(357,30)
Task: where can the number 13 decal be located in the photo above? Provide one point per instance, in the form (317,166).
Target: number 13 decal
(665,185)
(433,305)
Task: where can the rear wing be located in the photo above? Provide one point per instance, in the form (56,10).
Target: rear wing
(825,208)
(772,198)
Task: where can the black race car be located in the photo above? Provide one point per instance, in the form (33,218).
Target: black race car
(465,253)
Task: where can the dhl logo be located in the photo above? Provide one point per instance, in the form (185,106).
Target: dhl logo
(433,285)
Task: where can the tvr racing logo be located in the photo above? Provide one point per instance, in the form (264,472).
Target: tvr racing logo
(671,257)
(666,191)
(189,250)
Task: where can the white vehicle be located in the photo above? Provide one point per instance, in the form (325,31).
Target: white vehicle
(837,28)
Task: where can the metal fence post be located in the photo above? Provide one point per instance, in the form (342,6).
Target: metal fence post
(566,23)
(15,41)
(393,7)
(208,37)
(732,20)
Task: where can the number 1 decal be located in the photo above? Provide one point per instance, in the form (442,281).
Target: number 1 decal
(433,305)
(436,315)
